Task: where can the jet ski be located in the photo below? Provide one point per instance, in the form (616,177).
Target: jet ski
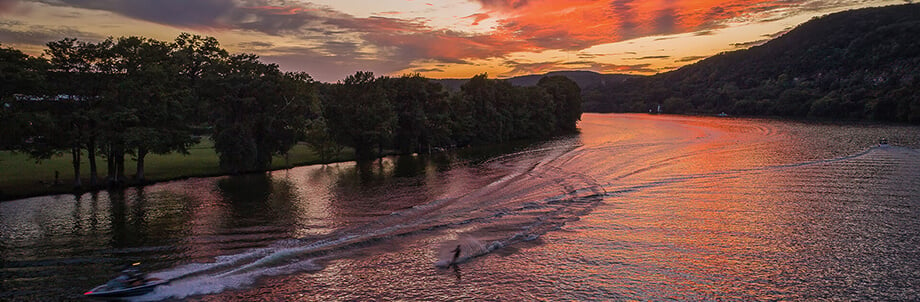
(110,290)
(130,283)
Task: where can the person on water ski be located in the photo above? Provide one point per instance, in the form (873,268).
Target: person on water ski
(456,255)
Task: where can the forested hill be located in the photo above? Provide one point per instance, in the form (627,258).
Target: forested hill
(860,64)
(582,78)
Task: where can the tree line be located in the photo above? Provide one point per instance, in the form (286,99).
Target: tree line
(129,97)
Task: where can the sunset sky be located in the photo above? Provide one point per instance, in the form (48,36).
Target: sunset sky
(330,39)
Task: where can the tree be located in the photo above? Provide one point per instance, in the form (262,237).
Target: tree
(150,88)
(71,94)
(19,74)
(483,95)
(416,101)
(319,137)
(566,96)
(359,114)
(257,111)
(196,55)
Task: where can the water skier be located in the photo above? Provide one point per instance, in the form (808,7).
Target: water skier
(456,255)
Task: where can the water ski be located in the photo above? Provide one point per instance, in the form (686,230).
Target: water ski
(456,251)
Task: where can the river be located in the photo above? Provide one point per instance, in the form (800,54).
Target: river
(635,207)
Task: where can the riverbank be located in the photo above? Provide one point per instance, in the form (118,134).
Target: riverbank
(22,177)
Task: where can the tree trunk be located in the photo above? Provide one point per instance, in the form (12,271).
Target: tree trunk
(91,153)
(141,153)
(120,165)
(110,161)
(75,153)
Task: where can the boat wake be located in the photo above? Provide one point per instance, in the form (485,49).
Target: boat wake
(532,193)
(535,196)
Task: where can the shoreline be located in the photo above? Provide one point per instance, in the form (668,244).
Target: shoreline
(62,188)
(43,188)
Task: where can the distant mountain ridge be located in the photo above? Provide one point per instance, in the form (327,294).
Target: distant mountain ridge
(581,77)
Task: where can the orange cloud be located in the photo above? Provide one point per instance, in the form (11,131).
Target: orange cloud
(575,25)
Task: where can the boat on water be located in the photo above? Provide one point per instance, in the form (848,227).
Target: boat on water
(883,142)
(110,290)
(130,283)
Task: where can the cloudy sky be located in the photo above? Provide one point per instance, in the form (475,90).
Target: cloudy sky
(330,39)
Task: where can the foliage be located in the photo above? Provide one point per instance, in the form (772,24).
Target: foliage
(257,111)
(135,96)
(19,74)
(359,114)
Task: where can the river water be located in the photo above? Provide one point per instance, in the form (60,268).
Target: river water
(636,207)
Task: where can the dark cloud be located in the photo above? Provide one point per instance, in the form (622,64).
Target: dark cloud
(750,43)
(182,13)
(279,21)
(665,22)
(446,62)
(578,63)
(421,70)
(583,55)
(704,33)
(530,68)
(622,11)
(254,44)
(689,59)
(558,38)
(338,48)
(611,68)
(777,34)
(41,35)
(615,68)
(477,18)
(651,57)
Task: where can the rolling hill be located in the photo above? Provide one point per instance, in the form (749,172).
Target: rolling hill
(859,64)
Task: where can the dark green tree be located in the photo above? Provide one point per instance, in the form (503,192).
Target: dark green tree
(23,75)
(257,111)
(418,103)
(148,87)
(566,97)
(359,114)
(196,55)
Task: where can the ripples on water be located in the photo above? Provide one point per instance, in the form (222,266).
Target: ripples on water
(636,207)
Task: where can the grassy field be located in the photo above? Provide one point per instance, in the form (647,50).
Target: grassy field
(21,176)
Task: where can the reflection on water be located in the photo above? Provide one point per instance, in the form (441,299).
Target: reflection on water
(636,207)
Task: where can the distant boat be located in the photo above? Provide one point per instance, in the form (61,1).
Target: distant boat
(723,114)
(883,142)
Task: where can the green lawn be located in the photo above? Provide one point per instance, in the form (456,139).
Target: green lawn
(22,176)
